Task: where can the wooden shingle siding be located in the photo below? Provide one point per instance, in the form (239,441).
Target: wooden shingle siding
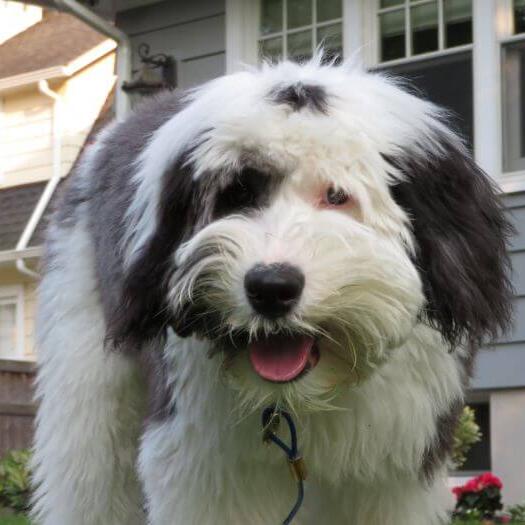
(192,32)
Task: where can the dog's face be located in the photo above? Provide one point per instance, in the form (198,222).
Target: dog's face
(304,219)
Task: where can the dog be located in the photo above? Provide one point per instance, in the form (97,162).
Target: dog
(308,235)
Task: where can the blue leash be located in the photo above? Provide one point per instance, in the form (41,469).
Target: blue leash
(270,420)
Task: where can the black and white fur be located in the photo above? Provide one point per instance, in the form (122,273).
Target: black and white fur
(147,397)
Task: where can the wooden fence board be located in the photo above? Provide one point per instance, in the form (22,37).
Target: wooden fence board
(17,408)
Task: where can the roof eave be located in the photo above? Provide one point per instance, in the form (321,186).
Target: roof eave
(58,72)
(33,77)
(7,256)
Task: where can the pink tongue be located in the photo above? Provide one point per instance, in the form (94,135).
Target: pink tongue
(280,359)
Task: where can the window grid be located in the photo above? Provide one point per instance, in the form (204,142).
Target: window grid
(313,27)
(8,332)
(11,296)
(518,17)
(406,6)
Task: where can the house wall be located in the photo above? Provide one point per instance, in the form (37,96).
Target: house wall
(26,123)
(84,95)
(25,138)
(503,364)
(192,32)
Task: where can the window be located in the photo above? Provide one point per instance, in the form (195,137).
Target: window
(431,80)
(478,457)
(294,28)
(410,28)
(428,42)
(519,16)
(513,92)
(10,322)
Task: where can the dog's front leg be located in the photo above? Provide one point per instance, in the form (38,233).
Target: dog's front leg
(404,500)
(193,477)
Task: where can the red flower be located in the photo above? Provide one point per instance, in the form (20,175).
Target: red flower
(489,480)
(472,485)
(478,484)
(457,491)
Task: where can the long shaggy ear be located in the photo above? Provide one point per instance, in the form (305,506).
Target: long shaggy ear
(143,313)
(461,232)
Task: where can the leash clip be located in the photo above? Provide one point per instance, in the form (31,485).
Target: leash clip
(298,469)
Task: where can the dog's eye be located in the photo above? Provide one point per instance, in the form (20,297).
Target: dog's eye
(242,195)
(336,197)
(245,192)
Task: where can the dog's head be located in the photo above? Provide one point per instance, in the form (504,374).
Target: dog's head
(304,219)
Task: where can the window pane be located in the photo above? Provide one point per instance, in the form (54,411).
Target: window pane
(478,457)
(271,49)
(300,46)
(331,38)
(519,16)
(458,22)
(513,70)
(7,328)
(424,20)
(432,80)
(329,9)
(299,13)
(390,3)
(271,16)
(392,35)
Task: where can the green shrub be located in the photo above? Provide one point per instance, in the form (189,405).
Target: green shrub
(467,434)
(14,480)
(517,513)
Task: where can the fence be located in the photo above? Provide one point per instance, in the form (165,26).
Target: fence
(17,409)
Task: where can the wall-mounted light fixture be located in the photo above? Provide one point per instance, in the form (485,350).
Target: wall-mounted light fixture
(157,72)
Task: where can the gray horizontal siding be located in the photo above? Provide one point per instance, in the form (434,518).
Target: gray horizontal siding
(191,32)
(503,364)
(500,367)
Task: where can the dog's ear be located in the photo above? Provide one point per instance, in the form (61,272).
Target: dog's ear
(142,313)
(460,230)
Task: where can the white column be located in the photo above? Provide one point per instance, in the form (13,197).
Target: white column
(241,33)
(487,87)
(507,436)
(353,30)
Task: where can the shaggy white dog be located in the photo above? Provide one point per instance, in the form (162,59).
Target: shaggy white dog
(307,235)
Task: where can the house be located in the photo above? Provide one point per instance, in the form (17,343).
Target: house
(467,55)
(56,74)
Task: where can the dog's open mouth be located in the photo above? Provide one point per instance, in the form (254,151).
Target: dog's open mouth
(283,358)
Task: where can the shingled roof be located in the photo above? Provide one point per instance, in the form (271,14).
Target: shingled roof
(16,206)
(55,41)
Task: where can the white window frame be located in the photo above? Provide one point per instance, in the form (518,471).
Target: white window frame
(512,180)
(242,31)
(491,28)
(372,10)
(17,293)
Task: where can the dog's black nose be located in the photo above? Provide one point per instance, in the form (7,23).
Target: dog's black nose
(273,289)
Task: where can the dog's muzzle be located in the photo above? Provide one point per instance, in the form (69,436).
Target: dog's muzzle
(273,291)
